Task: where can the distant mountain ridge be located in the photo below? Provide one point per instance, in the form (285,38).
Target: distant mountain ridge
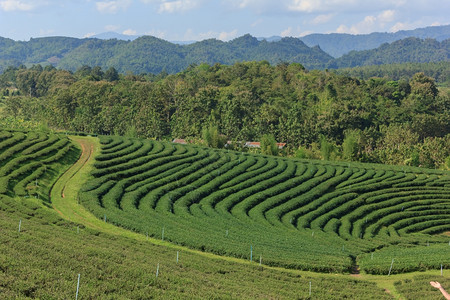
(335,44)
(338,44)
(149,54)
(402,51)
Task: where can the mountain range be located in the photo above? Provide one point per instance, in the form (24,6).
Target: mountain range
(335,44)
(147,54)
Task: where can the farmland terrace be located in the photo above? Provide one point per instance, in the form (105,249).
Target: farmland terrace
(247,226)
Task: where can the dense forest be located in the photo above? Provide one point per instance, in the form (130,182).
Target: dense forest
(319,114)
(148,54)
(439,71)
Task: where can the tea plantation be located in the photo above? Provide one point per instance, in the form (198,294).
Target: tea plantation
(308,215)
(256,212)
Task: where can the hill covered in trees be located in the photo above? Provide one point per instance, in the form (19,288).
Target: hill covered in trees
(338,44)
(439,71)
(149,54)
(319,114)
(402,51)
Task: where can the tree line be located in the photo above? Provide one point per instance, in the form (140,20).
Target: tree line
(319,114)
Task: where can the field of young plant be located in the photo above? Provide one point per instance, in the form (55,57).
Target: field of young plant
(28,160)
(309,215)
(41,254)
(43,261)
(297,214)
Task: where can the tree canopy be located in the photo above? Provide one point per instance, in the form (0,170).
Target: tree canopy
(323,114)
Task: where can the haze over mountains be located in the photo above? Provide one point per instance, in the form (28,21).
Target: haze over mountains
(147,54)
(335,44)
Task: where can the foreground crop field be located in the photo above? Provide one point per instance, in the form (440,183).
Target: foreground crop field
(29,161)
(309,215)
(41,254)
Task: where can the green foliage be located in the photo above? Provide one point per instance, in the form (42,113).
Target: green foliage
(351,146)
(411,49)
(31,157)
(327,149)
(406,258)
(439,71)
(288,210)
(213,138)
(338,44)
(306,215)
(245,101)
(269,145)
(35,264)
(125,56)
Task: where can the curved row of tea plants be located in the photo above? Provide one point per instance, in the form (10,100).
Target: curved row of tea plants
(41,254)
(309,215)
(43,261)
(28,160)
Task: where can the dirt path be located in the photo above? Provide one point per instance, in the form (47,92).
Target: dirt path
(64,194)
(82,160)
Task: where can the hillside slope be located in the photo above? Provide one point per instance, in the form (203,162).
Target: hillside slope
(149,54)
(309,215)
(407,50)
(43,255)
(338,44)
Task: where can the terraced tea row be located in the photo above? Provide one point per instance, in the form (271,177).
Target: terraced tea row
(26,158)
(43,260)
(300,214)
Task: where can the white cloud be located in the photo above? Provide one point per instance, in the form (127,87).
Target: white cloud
(371,24)
(12,5)
(320,19)
(287,32)
(157,33)
(174,6)
(304,5)
(243,3)
(112,7)
(404,26)
(365,26)
(342,29)
(89,34)
(224,35)
(387,16)
(129,32)
(177,6)
(318,5)
(304,33)
(293,32)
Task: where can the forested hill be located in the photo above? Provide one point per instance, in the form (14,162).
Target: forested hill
(149,54)
(338,44)
(402,51)
(152,55)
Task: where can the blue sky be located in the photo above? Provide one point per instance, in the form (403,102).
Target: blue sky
(188,20)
